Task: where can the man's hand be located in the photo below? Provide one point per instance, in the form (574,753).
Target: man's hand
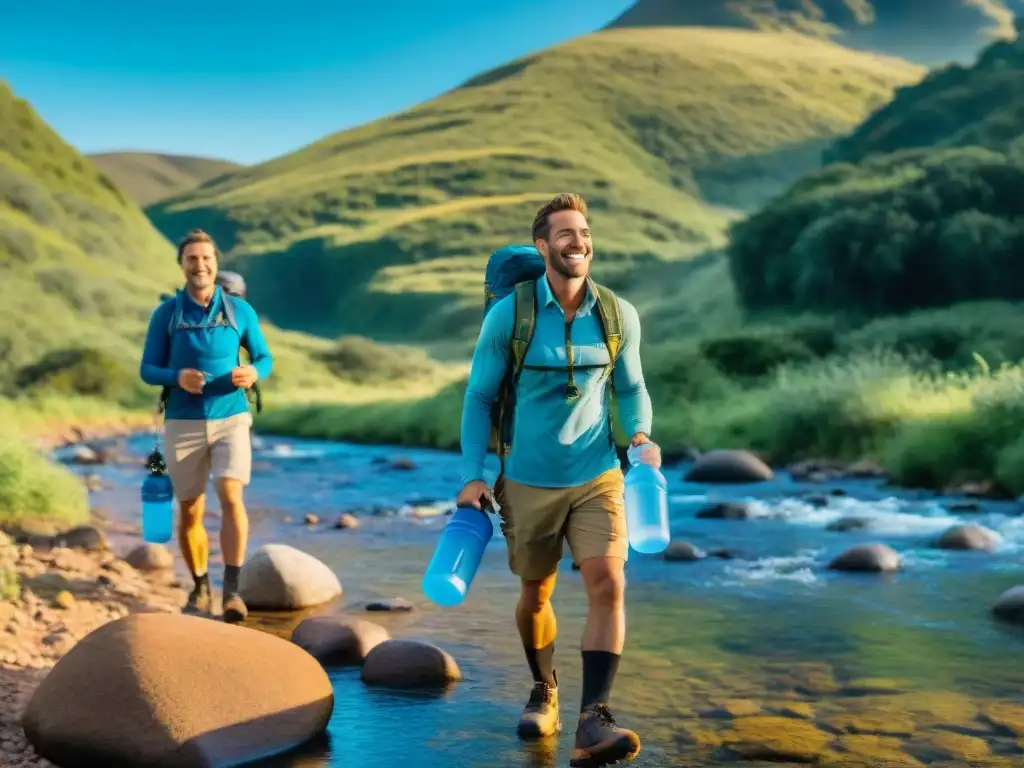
(474,494)
(191,381)
(244,376)
(651,454)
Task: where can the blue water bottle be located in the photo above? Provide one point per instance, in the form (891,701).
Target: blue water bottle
(646,505)
(157,501)
(457,556)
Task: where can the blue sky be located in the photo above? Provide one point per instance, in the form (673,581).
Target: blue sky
(248,81)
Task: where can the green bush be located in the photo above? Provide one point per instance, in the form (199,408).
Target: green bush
(33,487)
(86,372)
(752,354)
(359,359)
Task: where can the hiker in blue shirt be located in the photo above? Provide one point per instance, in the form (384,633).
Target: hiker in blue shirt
(561,476)
(192,351)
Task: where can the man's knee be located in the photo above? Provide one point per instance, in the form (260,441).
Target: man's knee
(230,492)
(536,594)
(192,511)
(605,580)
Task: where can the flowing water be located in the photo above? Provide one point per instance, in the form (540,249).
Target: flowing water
(912,657)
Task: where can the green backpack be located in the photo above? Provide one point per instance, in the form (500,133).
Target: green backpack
(516,268)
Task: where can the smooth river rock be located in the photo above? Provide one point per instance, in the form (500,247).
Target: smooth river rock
(409,664)
(338,640)
(683,552)
(279,577)
(1010,605)
(177,692)
(729,467)
(969,536)
(872,558)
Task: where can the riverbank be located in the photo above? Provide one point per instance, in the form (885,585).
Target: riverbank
(63,593)
(924,428)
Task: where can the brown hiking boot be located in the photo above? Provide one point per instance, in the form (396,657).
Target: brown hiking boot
(199,600)
(599,741)
(234,608)
(540,715)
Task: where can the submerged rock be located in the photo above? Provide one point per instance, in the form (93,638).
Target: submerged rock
(725,511)
(1009,606)
(682,552)
(409,664)
(844,524)
(969,536)
(870,558)
(729,467)
(338,640)
(769,737)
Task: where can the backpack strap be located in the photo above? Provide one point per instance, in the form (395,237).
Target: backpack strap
(228,304)
(609,314)
(522,334)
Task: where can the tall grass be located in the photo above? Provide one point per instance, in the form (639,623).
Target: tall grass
(33,488)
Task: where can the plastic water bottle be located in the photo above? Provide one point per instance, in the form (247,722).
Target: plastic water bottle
(646,505)
(157,501)
(457,556)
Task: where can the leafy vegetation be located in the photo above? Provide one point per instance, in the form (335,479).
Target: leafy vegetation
(32,487)
(392,222)
(149,176)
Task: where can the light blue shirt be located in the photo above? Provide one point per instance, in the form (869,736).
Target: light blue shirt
(556,443)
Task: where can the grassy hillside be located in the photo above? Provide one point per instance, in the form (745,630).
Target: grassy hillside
(928,32)
(980,105)
(149,176)
(384,230)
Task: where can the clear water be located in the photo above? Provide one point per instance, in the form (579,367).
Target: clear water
(771,624)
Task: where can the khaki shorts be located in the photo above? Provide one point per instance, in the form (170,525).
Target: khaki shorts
(194,448)
(535,521)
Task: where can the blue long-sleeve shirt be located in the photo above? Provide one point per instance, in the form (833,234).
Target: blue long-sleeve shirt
(213,350)
(555,443)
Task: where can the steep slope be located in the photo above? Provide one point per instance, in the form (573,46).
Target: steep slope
(928,32)
(80,265)
(981,105)
(384,229)
(149,176)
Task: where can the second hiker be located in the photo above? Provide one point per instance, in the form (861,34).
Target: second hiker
(192,351)
(564,341)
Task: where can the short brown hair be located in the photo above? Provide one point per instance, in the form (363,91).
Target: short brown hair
(566,201)
(196,236)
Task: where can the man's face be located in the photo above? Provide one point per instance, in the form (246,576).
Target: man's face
(199,263)
(568,249)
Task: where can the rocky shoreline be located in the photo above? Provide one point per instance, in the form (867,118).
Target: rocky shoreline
(65,593)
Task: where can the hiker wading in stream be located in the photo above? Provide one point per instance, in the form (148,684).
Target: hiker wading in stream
(561,476)
(192,351)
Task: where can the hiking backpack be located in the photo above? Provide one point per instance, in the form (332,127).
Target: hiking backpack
(232,284)
(516,269)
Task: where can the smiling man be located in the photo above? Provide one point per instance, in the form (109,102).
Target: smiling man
(561,477)
(192,350)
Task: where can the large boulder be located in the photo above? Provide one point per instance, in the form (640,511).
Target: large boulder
(177,691)
(870,558)
(729,467)
(969,536)
(337,640)
(409,664)
(282,578)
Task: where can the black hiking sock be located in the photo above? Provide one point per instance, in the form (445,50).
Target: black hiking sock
(201,580)
(599,668)
(542,663)
(231,579)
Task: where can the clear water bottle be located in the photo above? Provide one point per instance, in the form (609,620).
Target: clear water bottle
(157,501)
(646,505)
(457,556)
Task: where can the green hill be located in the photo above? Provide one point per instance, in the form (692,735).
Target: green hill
(383,230)
(957,106)
(928,32)
(150,176)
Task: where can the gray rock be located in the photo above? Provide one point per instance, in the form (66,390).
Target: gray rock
(409,664)
(844,524)
(725,511)
(870,558)
(1009,606)
(683,552)
(279,577)
(969,536)
(336,640)
(729,467)
(150,557)
(394,605)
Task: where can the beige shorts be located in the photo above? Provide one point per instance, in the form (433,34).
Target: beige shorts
(194,449)
(535,521)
